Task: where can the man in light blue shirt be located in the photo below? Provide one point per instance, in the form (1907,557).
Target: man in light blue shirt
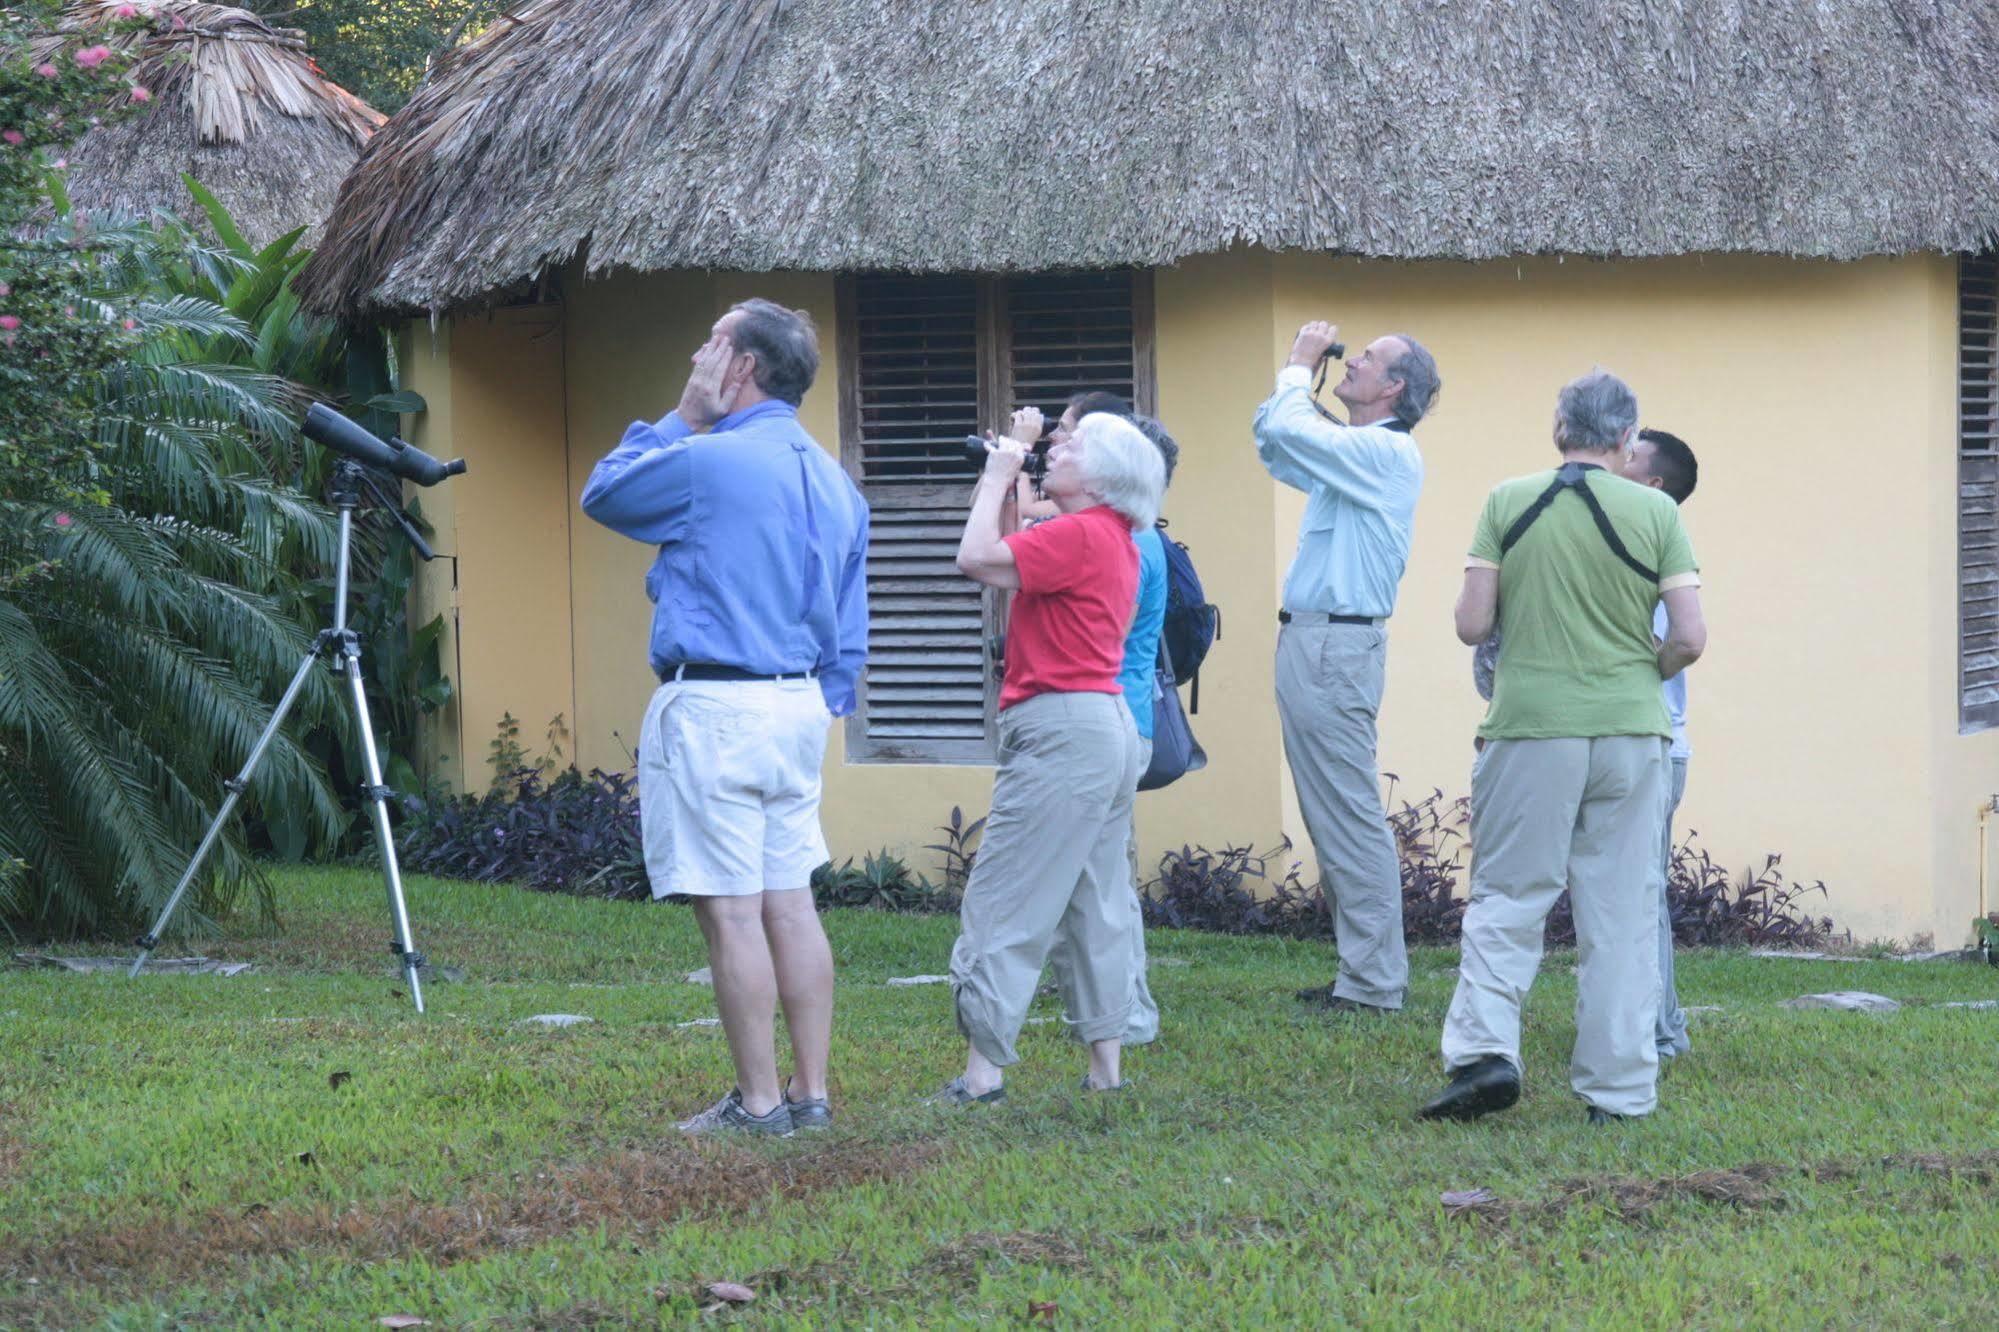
(759,632)
(1361,481)
(1664,462)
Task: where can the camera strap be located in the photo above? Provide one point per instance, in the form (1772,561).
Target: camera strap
(1573,476)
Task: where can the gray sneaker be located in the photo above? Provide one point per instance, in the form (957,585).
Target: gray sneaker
(955,1092)
(728,1116)
(808,1112)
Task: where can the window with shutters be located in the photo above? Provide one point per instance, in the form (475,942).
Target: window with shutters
(1977,484)
(925,361)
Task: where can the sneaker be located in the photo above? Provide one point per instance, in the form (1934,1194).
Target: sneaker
(955,1092)
(809,1112)
(728,1116)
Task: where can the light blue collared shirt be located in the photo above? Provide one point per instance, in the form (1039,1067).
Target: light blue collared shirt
(1362,482)
(763,545)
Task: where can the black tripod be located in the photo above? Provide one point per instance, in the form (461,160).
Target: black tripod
(340,648)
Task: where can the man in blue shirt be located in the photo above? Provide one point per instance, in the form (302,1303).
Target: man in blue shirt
(759,633)
(1362,480)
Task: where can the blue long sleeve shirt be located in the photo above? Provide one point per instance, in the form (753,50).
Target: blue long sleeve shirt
(763,545)
(1362,481)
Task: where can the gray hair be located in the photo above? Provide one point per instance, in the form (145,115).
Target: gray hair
(1417,370)
(1169,450)
(785,343)
(1121,468)
(1595,413)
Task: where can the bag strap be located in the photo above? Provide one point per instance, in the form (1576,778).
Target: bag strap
(1573,476)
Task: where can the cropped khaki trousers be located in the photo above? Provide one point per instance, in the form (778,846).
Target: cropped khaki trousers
(1585,815)
(1053,870)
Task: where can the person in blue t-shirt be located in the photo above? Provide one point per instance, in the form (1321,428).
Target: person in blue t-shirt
(1139,674)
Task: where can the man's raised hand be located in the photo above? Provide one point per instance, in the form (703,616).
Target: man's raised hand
(1309,347)
(709,396)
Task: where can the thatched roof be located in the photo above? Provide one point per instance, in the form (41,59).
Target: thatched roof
(1038,134)
(238,105)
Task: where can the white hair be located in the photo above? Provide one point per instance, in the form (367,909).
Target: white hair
(1121,468)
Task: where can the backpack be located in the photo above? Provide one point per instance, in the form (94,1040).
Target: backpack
(1193,623)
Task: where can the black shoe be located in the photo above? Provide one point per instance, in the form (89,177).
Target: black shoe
(1598,1117)
(1475,1089)
(1326,1001)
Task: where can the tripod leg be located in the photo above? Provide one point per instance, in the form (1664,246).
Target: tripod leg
(235,786)
(378,808)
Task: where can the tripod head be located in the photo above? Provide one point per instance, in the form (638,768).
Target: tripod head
(351,478)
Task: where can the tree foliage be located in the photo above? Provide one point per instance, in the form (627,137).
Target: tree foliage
(379,49)
(161,565)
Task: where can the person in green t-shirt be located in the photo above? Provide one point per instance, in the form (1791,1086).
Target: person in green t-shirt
(1569,790)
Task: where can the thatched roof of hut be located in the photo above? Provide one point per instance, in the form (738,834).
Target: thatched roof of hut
(238,105)
(898,134)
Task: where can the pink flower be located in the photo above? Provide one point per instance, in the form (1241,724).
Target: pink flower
(47,70)
(10,322)
(131,325)
(60,164)
(69,310)
(90,57)
(140,94)
(125,11)
(64,520)
(14,137)
(6,290)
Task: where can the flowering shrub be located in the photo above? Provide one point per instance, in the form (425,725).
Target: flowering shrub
(56,339)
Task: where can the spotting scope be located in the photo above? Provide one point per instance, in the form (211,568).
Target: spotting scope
(336,432)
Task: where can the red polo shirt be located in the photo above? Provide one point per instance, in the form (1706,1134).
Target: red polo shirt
(1078,592)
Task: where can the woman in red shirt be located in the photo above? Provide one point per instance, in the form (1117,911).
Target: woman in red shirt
(1052,864)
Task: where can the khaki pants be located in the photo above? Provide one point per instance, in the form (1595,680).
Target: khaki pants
(1329,682)
(1143,1028)
(1581,814)
(1053,872)
(1670,1034)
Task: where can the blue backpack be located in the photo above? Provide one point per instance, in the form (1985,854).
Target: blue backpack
(1193,623)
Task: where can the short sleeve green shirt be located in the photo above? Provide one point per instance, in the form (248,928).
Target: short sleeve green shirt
(1576,653)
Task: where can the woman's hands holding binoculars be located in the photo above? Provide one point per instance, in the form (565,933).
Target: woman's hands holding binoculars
(1005,454)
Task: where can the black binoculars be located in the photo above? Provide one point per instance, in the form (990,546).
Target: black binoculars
(1034,468)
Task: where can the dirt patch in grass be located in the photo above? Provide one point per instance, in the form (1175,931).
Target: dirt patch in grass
(637,1191)
(1750,1187)
(1747,1187)
(963,1259)
(1982,1167)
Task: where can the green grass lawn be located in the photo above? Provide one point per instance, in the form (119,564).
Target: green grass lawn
(174,1151)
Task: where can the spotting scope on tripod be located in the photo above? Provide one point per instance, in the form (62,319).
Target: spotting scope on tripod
(340,648)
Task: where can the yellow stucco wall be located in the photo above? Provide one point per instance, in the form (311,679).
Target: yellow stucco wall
(1824,718)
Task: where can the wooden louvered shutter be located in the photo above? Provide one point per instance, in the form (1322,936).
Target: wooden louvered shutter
(1073,332)
(1978,492)
(910,393)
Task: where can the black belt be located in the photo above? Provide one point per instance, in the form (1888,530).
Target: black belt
(1284,617)
(708,670)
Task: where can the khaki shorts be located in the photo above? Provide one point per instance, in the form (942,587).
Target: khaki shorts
(729,786)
